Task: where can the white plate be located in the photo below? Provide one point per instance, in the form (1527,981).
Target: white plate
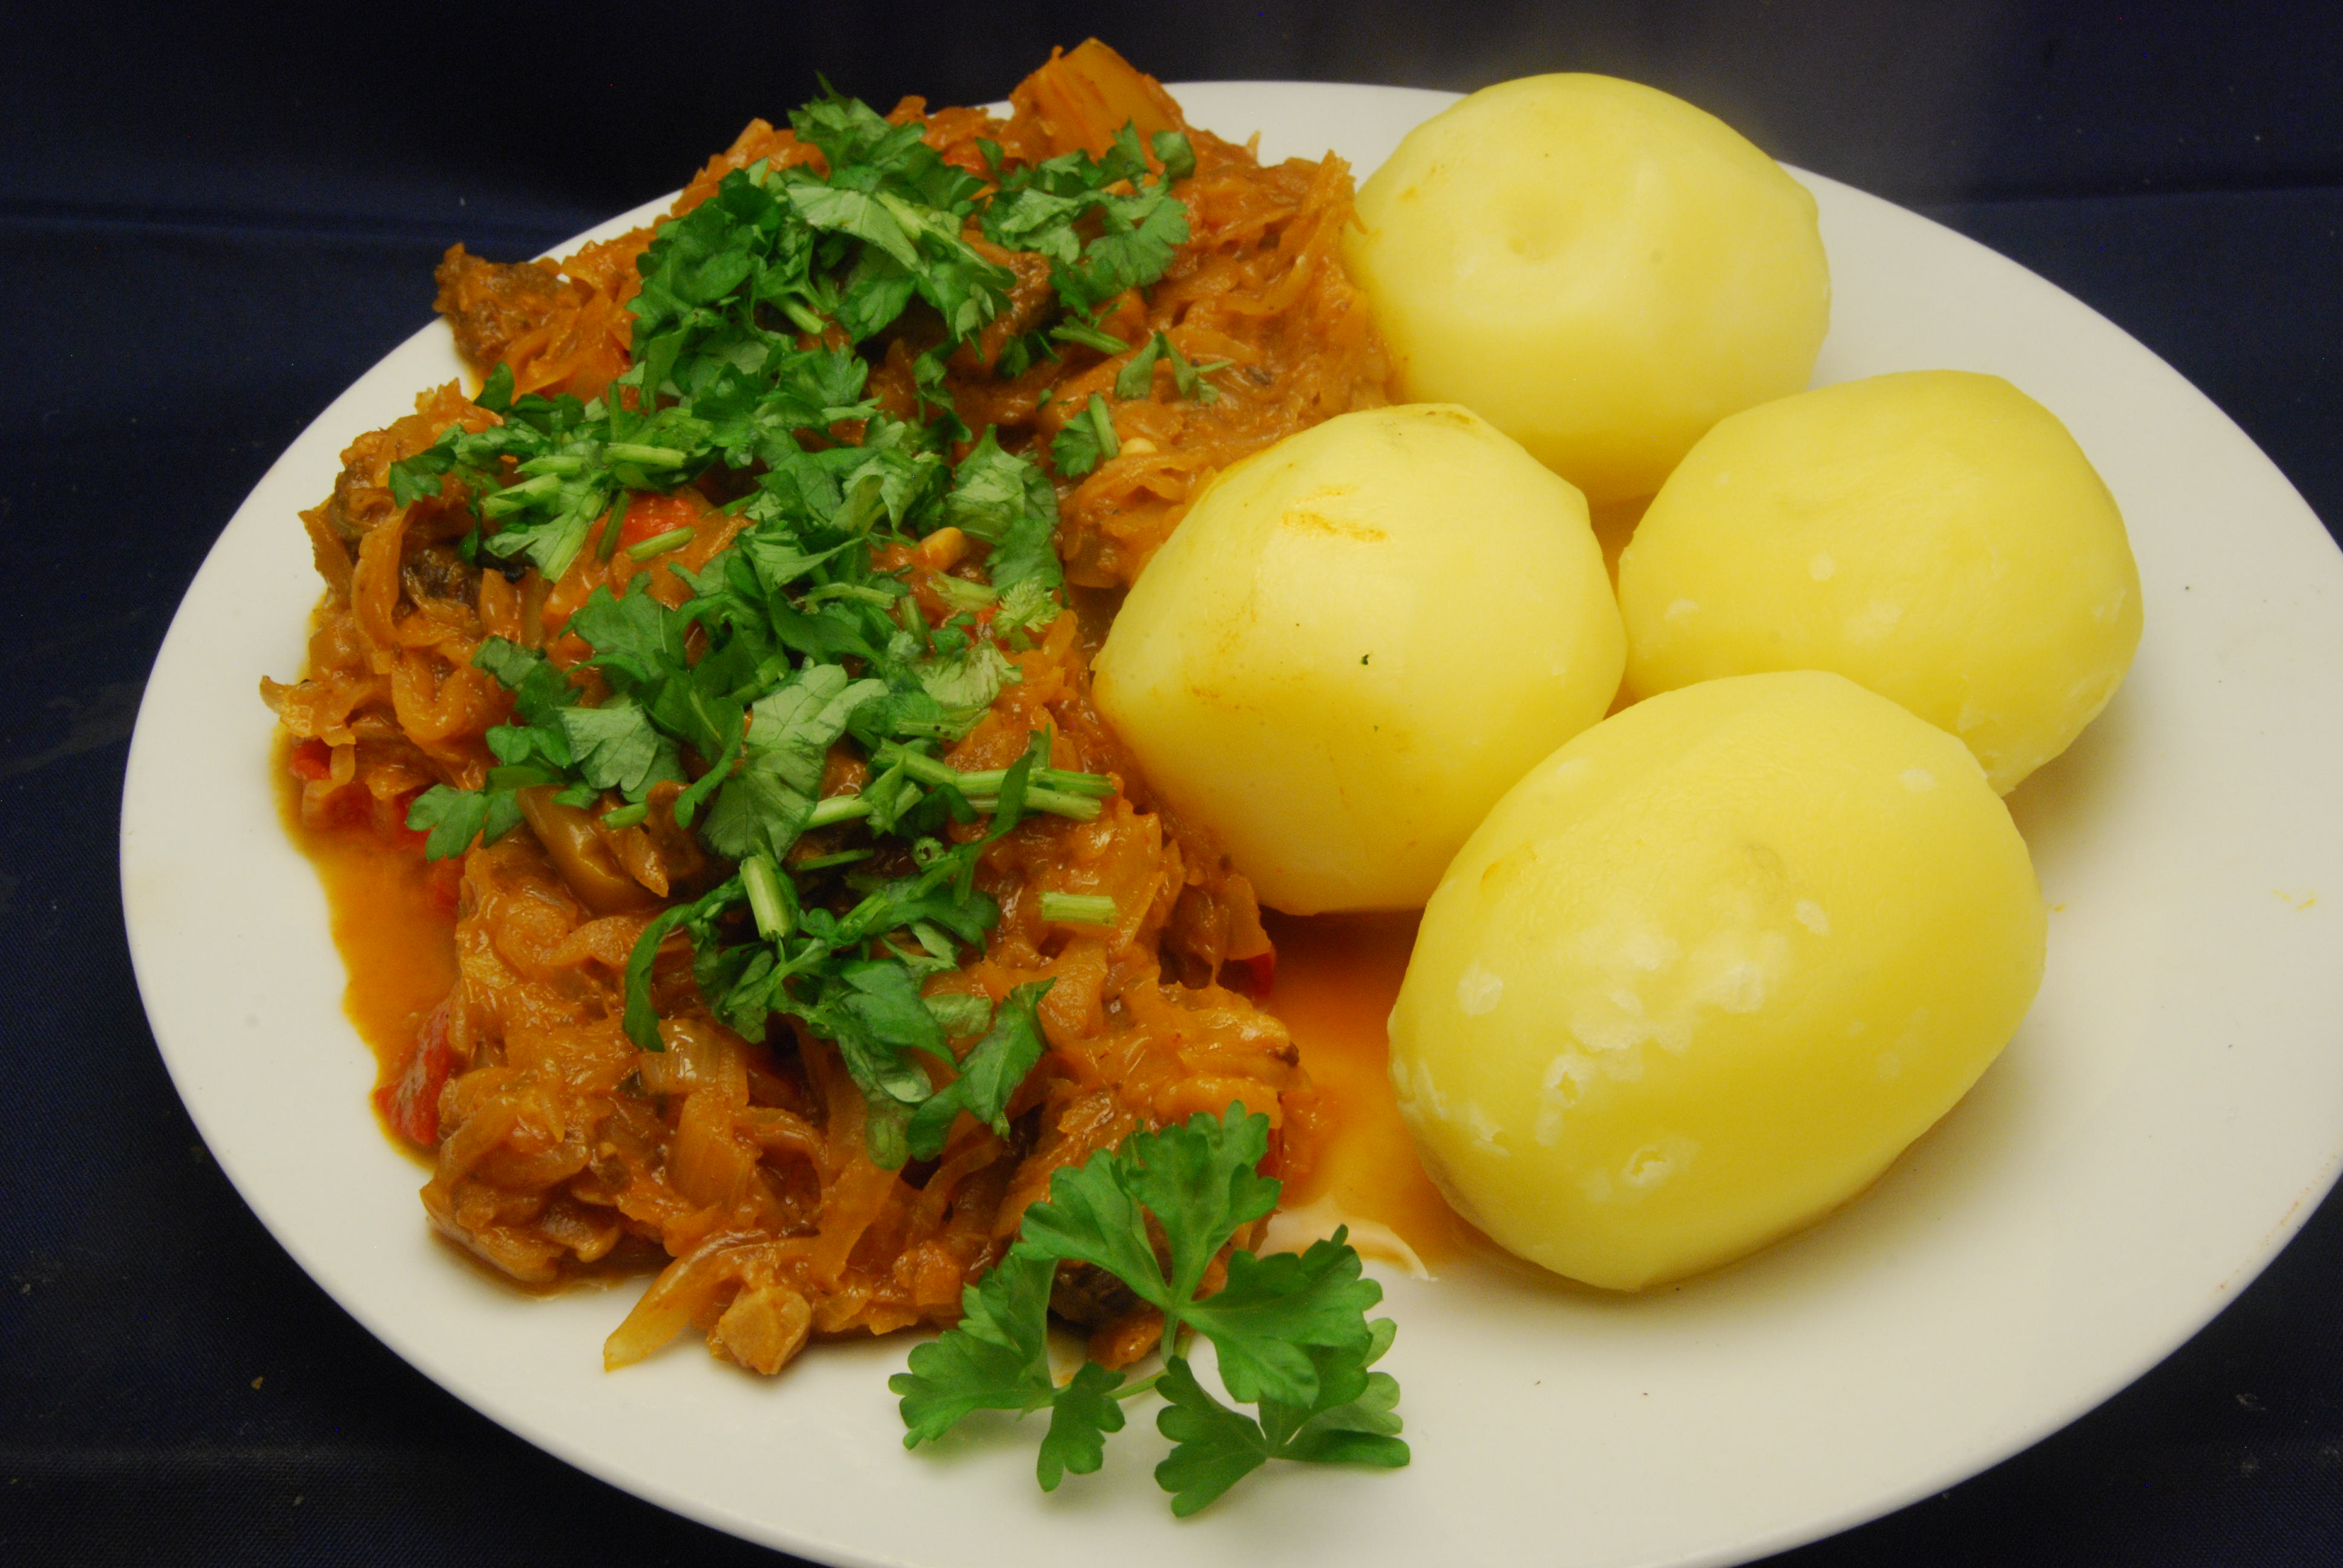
(2170,1112)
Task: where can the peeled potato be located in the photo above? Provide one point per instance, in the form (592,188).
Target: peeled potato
(1355,642)
(1706,970)
(1599,269)
(1936,535)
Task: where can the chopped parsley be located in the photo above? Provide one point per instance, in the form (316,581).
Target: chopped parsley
(1137,223)
(750,379)
(1136,380)
(1087,440)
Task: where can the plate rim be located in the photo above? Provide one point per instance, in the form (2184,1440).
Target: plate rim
(140,767)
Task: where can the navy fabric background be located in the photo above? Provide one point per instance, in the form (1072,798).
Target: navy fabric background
(210,222)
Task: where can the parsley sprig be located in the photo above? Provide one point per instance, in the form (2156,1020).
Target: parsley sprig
(1290,1331)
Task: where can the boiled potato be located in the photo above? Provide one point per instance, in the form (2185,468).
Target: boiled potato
(1706,970)
(1936,535)
(1599,269)
(1356,641)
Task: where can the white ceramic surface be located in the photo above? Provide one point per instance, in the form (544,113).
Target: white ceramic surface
(2170,1112)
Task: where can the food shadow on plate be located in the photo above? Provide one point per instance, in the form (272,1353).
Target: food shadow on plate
(2064,808)
(1957,1166)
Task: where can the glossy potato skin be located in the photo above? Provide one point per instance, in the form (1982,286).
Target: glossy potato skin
(1355,642)
(1936,535)
(1598,268)
(1706,970)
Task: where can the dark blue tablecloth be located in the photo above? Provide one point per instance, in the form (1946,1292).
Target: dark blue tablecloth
(210,224)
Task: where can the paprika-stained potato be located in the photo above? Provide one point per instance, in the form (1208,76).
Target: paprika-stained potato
(1706,970)
(1355,642)
(1600,269)
(1934,535)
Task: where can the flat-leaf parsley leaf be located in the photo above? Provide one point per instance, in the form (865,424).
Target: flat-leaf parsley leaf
(1292,1332)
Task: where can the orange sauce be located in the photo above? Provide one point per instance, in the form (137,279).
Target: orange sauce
(394,924)
(1337,978)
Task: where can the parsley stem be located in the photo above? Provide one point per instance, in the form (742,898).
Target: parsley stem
(608,546)
(860,593)
(927,770)
(1080,808)
(1053,790)
(823,862)
(1057,779)
(765,900)
(1078,908)
(659,544)
(805,319)
(916,623)
(1102,423)
(836,808)
(565,543)
(646,456)
(513,497)
(624,816)
(1082,332)
(962,596)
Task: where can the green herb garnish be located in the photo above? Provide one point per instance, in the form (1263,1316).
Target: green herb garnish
(1087,440)
(748,366)
(1290,1333)
(1136,380)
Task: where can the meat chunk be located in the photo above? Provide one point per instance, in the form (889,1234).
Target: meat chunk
(489,303)
(763,1329)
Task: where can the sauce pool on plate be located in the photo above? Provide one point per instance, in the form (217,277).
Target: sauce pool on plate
(394,922)
(1337,977)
